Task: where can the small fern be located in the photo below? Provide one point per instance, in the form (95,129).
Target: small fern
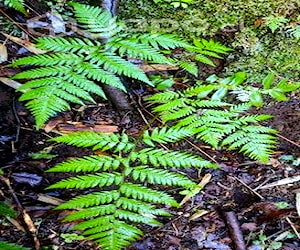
(216,122)
(126,181)
(16,4)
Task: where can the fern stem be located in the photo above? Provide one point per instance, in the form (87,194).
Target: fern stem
(118,98)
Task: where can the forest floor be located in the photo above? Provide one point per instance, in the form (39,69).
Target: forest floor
(252,192)
(243,200)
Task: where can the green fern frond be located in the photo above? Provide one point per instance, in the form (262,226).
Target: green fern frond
(141,207)
(177,114)
(164,97)
(189,67)
(213,122)
(165,41)
(143,193)
(48,106)
(166,135)
(68,45)
(161,177)
(160,157)
(91,200)
(11,246)
(59,71)
(50,60)
(132,48)
(97,141)
(91,212)
(120,66)
(87,164)
(16,4)
(129,183)
(134,217)
(173,104)
(95,20)
(89,181)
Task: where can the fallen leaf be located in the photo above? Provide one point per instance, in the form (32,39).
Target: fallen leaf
(10,83)
(26,44)
(203,182)
(70,128)
(298,203)
(198,214)
(284,181)
(3,53)
(49,199)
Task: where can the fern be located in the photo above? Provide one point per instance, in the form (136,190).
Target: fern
(215,122)
(122,200)
(11,246)
(16,4)
(67,73)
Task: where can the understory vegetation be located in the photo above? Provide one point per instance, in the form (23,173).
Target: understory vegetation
(129,181)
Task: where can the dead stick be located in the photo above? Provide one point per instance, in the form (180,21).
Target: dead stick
(235,230)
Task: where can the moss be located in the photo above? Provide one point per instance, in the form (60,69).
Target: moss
(237,23)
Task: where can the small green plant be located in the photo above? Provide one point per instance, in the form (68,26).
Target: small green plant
(266,243)
(274,22)
(245,92)
(201,109)
(175,3)
(126,183)
(16,4)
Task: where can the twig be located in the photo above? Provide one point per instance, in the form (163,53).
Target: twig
(31,227)
(235,230)
(293,227)
(248,187)
(288,140)
(201,151)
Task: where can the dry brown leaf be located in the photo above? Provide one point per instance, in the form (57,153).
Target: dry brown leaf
(203,182)
(10,83)
(49,199)
(3,53)
(198,214)
(70,128)
(26,44)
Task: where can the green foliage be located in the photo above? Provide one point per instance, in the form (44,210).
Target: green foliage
(126,183)
(274,22)
(72,68)
(16,4)
(175,3)
(11,246)
(67,73)
(245,92)
(238,23)
(6,210)
(201,110)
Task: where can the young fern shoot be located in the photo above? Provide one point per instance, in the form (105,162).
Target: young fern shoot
(126,182)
